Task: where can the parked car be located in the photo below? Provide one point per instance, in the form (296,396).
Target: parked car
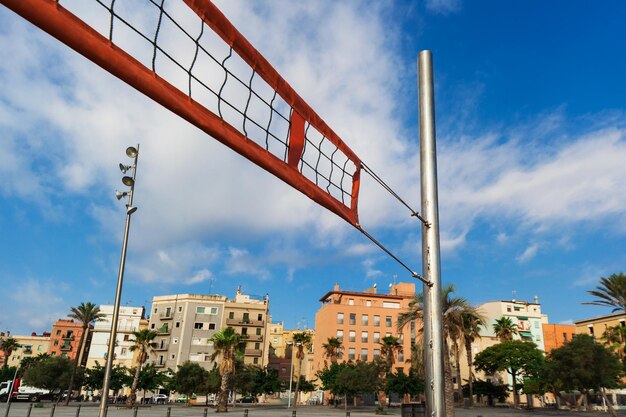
(160,399)
(184,399)
(248,399)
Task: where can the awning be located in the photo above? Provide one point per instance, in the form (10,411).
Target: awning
(522,318)
(526,334)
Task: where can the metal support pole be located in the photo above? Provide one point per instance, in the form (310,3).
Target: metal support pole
(290,379)
(6,412)
(118,293)
(30,409)
(54,406)
(293,413)
(77,411)
(245,412)
(206,411)
(431,264)
(169,412)
(135,411)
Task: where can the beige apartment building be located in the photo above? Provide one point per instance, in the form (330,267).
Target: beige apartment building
(33,345)
(282,353)
(596,326)
(185,324)
(360,320)
(249,316)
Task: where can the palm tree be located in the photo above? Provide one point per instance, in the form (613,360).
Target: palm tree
(85,313)
(472,322)
(332,348)
(389,348)
(143,343)
(301,340)
(452,308)
(611,292)
(7,346)
(226,344)
(504,328)
(615,338)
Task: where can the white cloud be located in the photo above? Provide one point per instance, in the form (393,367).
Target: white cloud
(241,262)
(370,270)
(528,254)
(33,306)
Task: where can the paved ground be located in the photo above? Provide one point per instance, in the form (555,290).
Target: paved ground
(91,410)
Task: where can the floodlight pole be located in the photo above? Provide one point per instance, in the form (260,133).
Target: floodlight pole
(104,400)
(431,264)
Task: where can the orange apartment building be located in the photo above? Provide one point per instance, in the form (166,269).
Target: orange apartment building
(65,339)
(556,335)
(360,320)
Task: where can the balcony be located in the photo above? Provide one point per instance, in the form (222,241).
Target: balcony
(242,322)
(68,337)
(159,365)
(252,337)
(253,352)
(162,346)
(28,350)
(166,316)
(66,348)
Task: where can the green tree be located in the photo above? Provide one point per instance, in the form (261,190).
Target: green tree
(328,378)
(471,322)
(332,348)
(504,329)
(142,344)
(611,292)
(583,365)
(401,383)
(7,346)
(86,314)
(359,378)
(515,357)
(150,379)
(614,337)
(51,374)
(301,340)
(213,383)
(488,389)
(226,344)
(94,377)
(190,378)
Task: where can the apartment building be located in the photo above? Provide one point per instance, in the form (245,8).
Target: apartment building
(360,320)
(282,353)
(32,345)
(129,321)
(65,339)
(556,335)
(249,316)
(596,326)
(185,324)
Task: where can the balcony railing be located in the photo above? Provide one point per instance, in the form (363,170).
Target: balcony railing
(28,351)
(166,316)
(244,322)
(68,337)
(159,365)
(252,337)
(164,346)
(253,352)
(66,348)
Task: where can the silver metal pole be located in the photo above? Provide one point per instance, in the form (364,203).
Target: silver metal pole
(290,379)
(431,265)
(104,401)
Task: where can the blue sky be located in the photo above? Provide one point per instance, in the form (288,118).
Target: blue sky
(531,142)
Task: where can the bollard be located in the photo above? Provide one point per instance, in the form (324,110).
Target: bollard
(134,411)
(169,411)
(245,412)
(77,411)
(206,410)
(30,408)
(293,413)
(347,414)
(6,413)
(54,406)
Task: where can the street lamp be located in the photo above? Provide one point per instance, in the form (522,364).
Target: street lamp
(291,373)
(129,181)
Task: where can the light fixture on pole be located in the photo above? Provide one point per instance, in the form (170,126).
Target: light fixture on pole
(290,375)
(129,181)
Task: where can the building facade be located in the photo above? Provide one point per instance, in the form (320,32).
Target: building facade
(360,320)
(129,321)
(29,346)
(556,335)
(65,339)
(596,326)
(185,324)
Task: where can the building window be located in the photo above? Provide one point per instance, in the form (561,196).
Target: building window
(156,310)
(123,351)
(196,341)
(231,315)
(198,326)
(388,321)
(363,354)
(564,337)
(376,353)
(340,335)
(351,353)
(244,330)
(177,324)
(258,331)
(339,318)
(214,311)
(400,356)
(53,354)
(364,319)
(255,360)
(175,341)
(200,310)
(211,326)
(376,337)
(259,317)
(364,337)
(376,321)
(351,301)
(152,326)
(58,332)
(389,304)
(173,356)
(56,343)
(508,309)
(517,308)
(591,330)
(368,303)
(351,336)
(207,358)
(352,318)
(257,346)
(180,309)
(39,348)
(126,337)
